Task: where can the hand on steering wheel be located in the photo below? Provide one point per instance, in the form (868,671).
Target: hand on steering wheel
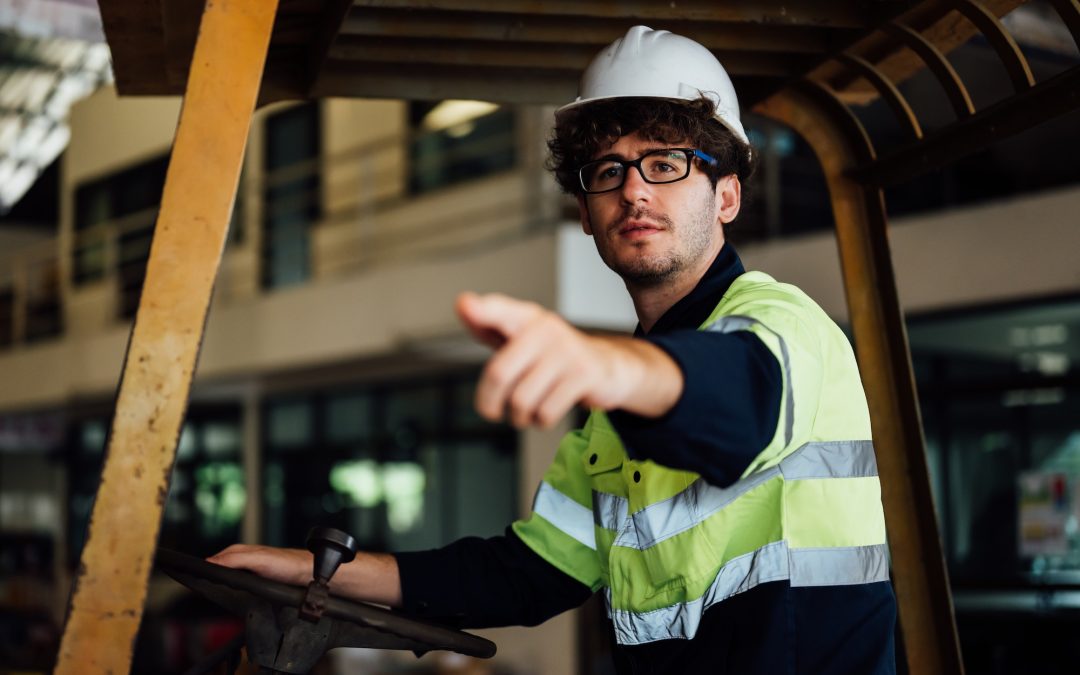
(281,637)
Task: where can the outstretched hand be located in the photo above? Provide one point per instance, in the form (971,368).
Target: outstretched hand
(543,366)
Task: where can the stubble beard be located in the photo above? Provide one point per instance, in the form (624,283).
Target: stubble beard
(692,241)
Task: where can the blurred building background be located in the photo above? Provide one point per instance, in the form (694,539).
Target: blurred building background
(335,385)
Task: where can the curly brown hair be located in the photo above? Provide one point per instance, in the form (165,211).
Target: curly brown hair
(581,132)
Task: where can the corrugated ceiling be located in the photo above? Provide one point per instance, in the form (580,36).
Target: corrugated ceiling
(52,53)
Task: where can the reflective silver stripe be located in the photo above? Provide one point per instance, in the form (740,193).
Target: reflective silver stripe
(565,514)
(768,563)
(730,324)
(681,512)
(839,566)
(609,511)
(772,562)
(831,459)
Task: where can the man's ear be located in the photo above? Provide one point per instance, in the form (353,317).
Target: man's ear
(728,198)
(583,213)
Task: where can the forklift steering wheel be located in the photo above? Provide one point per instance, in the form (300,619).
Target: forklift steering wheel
(287,628)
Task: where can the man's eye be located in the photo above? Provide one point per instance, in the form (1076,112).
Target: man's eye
(612,171)
(659,167)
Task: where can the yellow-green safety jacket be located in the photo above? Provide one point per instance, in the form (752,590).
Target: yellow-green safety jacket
(666,545)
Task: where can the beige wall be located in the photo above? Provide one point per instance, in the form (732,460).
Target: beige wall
(365,156)
(108,132)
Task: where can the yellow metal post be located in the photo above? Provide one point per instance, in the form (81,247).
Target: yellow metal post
(200,188)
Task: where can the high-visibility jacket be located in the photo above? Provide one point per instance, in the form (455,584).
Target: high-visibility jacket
(666,545)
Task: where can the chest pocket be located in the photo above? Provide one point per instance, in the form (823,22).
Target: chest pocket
(602,462)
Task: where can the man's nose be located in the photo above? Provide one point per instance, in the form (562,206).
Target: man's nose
(635,188)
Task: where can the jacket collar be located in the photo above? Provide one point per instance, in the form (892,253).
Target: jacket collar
(696,306)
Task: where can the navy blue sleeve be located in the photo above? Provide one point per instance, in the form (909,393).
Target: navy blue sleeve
(483,583)
(728,411)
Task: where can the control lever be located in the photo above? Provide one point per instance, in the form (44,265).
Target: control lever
(331,548)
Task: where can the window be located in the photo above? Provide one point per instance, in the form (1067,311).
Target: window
(127,200)
(398,466)
(207,494)
(1000,391)
(127,203)
(458,141)
(292,194)
(38,209)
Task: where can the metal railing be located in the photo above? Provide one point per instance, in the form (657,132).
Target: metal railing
(116,251)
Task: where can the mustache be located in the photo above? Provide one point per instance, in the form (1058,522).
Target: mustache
(638,213)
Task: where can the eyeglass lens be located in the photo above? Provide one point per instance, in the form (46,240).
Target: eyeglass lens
(660,166)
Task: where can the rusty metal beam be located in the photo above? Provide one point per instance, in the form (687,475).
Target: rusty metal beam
(594,31)
(937,64)
(1049,99)
(200,187)
(888,91)
(819,13)
(1003,43)
(919,573)
(933,19)
(487,54)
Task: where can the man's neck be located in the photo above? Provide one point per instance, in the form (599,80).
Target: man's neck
(652,302)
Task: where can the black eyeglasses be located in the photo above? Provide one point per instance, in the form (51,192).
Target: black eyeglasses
(658,166)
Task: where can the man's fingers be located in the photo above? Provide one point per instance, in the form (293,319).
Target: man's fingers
(292,566)
(493,317)
(559,401)
(542,354)
(505,369)
(466,311)
(229,550)
(241,556)
(533,387)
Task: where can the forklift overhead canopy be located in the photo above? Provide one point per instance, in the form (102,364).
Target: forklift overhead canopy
(521,51)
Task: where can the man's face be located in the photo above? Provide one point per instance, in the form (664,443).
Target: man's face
(647,233)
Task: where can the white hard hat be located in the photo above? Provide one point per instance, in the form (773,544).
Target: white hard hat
(659,64)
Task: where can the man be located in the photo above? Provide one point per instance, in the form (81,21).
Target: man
(723,494)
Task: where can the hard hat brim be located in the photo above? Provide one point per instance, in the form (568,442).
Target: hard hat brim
(580,103)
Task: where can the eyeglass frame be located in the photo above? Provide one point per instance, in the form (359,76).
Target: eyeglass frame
(691,153)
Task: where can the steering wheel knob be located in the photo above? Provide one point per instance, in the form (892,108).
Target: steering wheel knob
(331,548)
